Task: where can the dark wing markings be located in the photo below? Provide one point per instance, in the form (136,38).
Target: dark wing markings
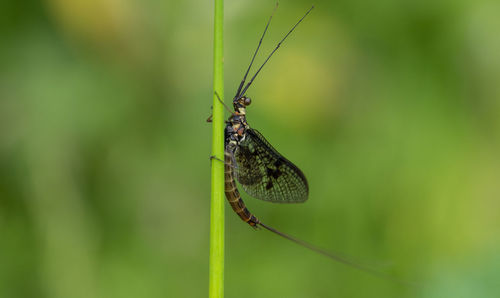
(265,174)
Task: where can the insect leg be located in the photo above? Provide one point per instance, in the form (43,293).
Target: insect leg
(218,159)
(220,100)
(209,119)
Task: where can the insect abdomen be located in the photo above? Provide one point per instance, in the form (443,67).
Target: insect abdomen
(232,193)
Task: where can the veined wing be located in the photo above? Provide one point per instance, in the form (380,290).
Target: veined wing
(267,175)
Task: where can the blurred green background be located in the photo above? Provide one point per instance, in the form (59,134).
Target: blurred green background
(391,109)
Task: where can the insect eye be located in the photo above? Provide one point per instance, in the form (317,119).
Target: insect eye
(247,101)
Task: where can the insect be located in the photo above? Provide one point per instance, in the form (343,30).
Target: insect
(260,169)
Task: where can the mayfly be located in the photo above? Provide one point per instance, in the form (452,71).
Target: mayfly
(260,169)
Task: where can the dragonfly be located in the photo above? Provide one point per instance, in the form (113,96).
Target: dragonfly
(259,168)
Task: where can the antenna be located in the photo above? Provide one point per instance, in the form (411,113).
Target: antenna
(256,51)
(239,95)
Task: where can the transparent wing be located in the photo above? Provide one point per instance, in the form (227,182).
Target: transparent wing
(267,175)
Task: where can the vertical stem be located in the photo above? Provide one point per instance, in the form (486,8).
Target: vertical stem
(216,270)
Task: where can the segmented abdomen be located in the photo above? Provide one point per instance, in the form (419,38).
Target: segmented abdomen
(232,193)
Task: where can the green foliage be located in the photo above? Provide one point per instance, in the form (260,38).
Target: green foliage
(216,280)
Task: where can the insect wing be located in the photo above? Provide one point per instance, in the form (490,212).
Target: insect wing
(267,175)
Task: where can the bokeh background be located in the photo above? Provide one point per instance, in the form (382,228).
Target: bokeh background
(391,109)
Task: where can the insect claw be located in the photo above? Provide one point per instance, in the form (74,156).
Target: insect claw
(216,158)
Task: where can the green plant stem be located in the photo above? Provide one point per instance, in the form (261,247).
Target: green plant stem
(216,263)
